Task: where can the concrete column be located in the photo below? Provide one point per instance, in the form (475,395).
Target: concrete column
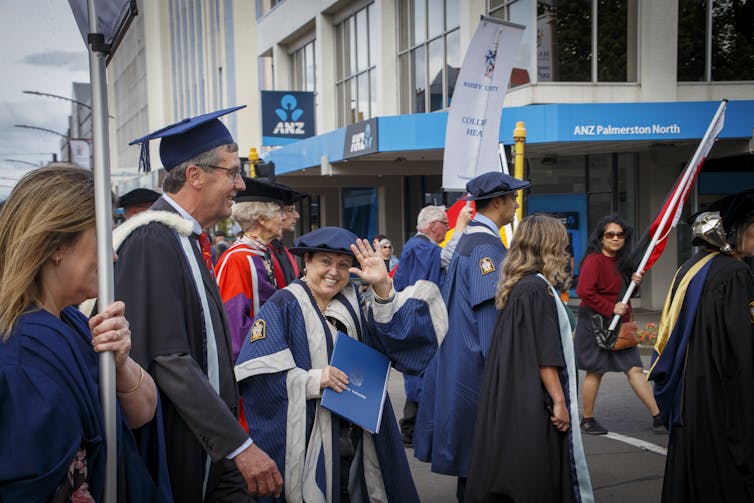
(324,54)
(385,39)
(658,50)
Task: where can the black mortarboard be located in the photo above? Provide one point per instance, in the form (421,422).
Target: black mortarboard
(493,184)
(137,196)
(259,190)
(325,239)
(186,139)
(289,195)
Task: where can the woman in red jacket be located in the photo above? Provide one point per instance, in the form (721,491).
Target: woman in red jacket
(603,278)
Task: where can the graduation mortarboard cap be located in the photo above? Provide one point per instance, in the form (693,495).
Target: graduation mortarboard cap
(138,196)
(325,239)
(289,195)
(259,190)
(186,139)
(493,184)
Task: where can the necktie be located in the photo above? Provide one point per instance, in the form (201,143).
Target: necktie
(206,250)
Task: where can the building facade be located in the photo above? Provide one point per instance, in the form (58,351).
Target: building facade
(614,97)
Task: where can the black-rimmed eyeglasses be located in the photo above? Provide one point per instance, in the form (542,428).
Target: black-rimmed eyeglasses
(233,173)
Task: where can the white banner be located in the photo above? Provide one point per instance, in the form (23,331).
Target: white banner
(473,129)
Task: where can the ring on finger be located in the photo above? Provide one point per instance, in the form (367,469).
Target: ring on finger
(118,335)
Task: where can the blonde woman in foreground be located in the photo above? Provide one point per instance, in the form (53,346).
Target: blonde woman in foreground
(524,444)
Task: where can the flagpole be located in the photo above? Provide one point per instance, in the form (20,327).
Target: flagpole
(684,182)
(103,210)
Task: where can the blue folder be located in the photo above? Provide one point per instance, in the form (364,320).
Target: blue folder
(368,370)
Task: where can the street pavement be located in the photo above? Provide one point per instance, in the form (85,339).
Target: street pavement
(625,465)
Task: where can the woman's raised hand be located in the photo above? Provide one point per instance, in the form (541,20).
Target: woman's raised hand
(373,269)
(110,332)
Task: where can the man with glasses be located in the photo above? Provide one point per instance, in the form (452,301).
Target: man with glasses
(179,329)
(450,392)
(422,258)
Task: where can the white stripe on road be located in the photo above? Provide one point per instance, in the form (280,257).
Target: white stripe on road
(641,444)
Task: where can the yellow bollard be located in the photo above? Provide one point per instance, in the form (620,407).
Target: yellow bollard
(519,137)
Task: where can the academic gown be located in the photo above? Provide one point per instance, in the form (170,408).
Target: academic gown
(190,360)
(450,389)
(711,452)
(518,455)
(246,280)
(279,370)
(49,397)
(283,263)
(420,259)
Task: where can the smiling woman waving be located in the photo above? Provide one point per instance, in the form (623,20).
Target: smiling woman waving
(284,367)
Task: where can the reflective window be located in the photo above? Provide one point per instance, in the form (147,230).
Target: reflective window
(566,41)
(355,67)
(731,40)
(303,68)
(428,53)
(516,11)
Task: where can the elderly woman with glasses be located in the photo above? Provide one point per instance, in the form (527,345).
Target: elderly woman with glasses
(284,367)
(245,272)
(386,249)
(603,278)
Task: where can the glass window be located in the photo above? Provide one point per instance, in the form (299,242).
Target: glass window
(557,175)
(431,61)
(360,211)
(731,40)
(566,46)
(363,101)
(419,33)
(599,173)
(372,29)
(452,62)
(356,62)
(419,64)
(436,75)
(452,14)
(303,77)
(362,46)
(435,24)
(612,41)
(691,15)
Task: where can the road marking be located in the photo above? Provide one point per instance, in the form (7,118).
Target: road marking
(641,444)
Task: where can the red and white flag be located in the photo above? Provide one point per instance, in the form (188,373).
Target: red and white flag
(671,210)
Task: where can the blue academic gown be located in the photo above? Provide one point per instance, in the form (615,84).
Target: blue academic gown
(49,395)
(420,259)
(279,371)
(450,391)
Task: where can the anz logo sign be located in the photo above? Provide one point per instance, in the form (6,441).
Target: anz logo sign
(289,113)
(287,116)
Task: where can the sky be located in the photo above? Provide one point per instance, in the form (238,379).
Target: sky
(42,51)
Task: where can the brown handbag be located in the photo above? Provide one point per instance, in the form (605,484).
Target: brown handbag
(628,336)
(625,335)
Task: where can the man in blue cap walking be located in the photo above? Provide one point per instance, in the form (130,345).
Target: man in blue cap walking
(180,332)
(450,392)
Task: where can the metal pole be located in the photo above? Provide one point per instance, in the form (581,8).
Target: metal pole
(104,211)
